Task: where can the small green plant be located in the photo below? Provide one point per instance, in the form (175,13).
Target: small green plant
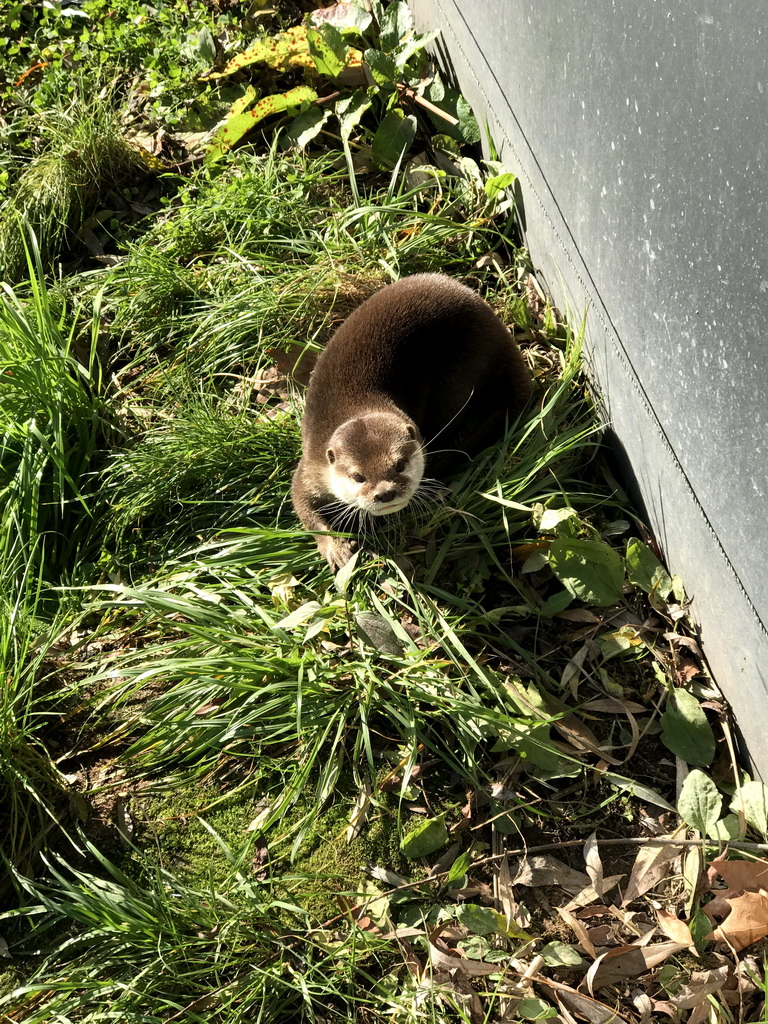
(374,60)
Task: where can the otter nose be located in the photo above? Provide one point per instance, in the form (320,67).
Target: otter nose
(382,497)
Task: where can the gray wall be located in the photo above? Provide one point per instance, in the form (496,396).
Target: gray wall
(639,131)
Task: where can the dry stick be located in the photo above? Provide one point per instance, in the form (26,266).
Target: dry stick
(528,850)
(405,90)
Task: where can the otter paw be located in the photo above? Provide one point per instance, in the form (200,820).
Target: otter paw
(335,551)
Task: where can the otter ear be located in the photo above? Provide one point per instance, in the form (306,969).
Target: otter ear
(411,433)
(331,456)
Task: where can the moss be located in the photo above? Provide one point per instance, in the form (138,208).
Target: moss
(173,823)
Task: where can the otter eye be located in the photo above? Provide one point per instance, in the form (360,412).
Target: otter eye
(400,465)
(331,456)
(358,478)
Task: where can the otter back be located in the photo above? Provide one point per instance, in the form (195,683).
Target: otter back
(426,363)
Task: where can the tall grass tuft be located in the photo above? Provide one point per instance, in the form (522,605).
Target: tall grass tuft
(52,422)
(85,156)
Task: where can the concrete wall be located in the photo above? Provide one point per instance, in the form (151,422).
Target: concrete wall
(639,131)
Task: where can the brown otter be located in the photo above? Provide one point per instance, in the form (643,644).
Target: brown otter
(423,361)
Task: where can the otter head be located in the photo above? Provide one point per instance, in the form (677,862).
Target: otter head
(375,462)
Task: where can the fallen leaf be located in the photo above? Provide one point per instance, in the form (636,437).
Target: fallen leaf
(454,961)
(588,895)
(627,962)
(746,923)
(701,985)
(651,865)
(542,869)
(590,1009)
(359,811)
(611,705)
(594,864)
(751,875)
(579,931)
(674,928)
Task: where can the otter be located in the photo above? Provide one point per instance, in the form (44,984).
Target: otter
(424,361)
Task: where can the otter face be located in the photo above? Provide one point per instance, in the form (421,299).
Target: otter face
(375,462)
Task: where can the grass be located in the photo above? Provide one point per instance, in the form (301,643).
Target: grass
(85,158)
(210,750)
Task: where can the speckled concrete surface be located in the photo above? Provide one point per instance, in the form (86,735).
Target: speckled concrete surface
(639,131)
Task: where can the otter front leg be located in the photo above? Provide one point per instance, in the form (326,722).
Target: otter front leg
(310,508)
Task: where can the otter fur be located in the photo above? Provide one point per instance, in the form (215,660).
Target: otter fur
(423,360)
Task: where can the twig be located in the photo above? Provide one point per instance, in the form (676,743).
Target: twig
(406,90)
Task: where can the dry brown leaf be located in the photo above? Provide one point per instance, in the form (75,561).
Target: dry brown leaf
(627,962)
(359,811)
(700,985)
(594,863)
(751,875)
(582,739)
(642,929)
(746,923)
(572,670)
(578,615)
(589,1009)
(674,928)
(612,706)
(651,865)
(587,896)
(543,869)
(454,962)
(579,931)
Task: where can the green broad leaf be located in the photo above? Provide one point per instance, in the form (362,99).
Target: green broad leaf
(552,520)
(383,69)
(396,23)
(236,127)
(699,804)
(328,50)
(415,44)
(480,920)
(427,837)
(245,102)
(453,103)
(700,926)
(493,187)
(620,641)
(646,571)
(558,954)
(206,45)
(306,126)
(639,790)
(350,111)
(288,49)
(555,604)
(538,560)
(300,615)
(685,729)
(347,18)
(588,569)
(376,631)
(393,139)
(535,1009)
(533,743)
(678,589)
(458,870)
(474,947)
(753,801)
(726,829)
(344,575)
